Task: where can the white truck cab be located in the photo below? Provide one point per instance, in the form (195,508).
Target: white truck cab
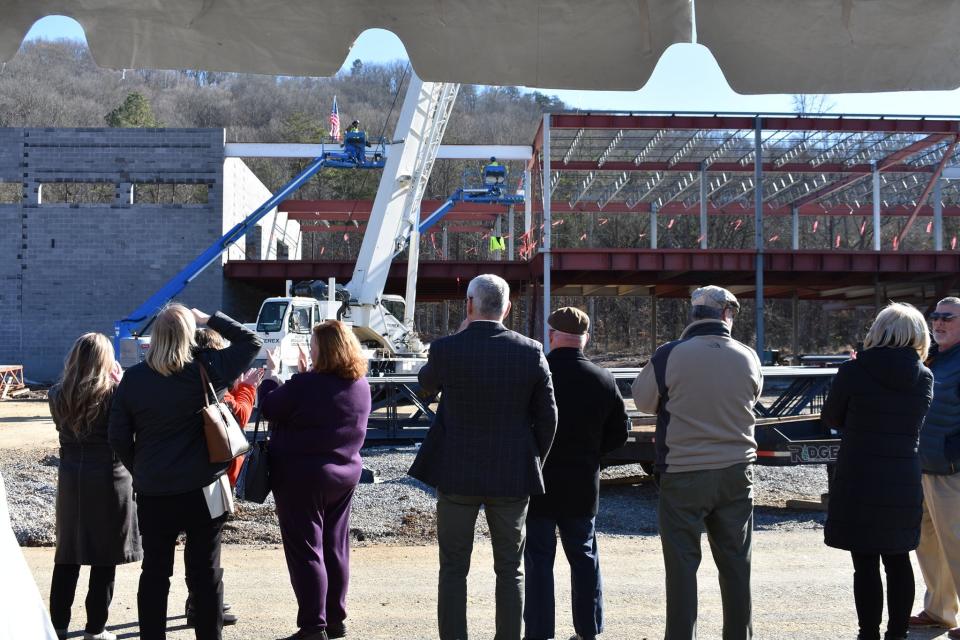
(285,323)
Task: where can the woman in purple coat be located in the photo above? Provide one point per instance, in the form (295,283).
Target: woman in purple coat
(318,421)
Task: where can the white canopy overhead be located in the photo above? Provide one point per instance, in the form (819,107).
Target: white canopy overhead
(833,46)
(763,46)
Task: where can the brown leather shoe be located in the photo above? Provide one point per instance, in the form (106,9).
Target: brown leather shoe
(924,620)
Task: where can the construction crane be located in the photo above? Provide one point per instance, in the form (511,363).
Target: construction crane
(406,168)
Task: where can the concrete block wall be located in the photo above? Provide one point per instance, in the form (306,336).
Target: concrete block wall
(243,193)
(67,269)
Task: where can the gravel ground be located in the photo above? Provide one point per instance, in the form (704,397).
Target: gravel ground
(397,509)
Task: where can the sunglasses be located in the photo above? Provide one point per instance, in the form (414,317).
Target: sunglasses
(946,317)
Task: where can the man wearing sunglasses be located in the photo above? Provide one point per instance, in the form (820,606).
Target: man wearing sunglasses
(939,550)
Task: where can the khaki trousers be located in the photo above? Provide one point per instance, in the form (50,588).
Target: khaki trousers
(939,550)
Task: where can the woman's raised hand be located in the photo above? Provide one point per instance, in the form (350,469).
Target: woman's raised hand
(273,360)
(303,360)
(200,317)
(116,372)
(252,377)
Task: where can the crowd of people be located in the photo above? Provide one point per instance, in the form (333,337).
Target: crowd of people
(520,434)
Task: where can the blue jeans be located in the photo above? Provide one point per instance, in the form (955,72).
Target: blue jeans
(578,537)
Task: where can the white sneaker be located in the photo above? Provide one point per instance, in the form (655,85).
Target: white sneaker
(103,635)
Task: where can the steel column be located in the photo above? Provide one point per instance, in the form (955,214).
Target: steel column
(876,206)
(653,324)
(653,225)
(938,215)
(703,205)
(758,229)
(795,328)
(510,233)
(527,200)
(547,228)
(794,228)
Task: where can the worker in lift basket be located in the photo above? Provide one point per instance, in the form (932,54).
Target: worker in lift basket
(494,172)
(354,141)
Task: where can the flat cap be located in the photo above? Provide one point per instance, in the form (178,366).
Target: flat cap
(714,297)
(569,320)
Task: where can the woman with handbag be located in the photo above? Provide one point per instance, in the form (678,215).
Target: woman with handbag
(878,402)
(319,422)
(96,514)
(159,428)
(240,398)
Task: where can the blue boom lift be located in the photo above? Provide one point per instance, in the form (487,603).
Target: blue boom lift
(493,191)
(139,320)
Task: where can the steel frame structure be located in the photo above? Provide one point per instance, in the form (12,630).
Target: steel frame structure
(705,164)
(787,164)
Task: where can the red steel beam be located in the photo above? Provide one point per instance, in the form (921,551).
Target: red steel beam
(742,260)
(909,150)
(362,217)
(366,206)
(768,123)
(307,211)
(674,261)
(333,228)
(882,165)
(926,193)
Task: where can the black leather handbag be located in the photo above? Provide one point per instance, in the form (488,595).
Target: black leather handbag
(253,485)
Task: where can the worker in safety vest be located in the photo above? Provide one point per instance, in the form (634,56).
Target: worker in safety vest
(354,141)
(494,173)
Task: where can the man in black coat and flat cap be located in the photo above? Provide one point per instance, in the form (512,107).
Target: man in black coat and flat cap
(592,422)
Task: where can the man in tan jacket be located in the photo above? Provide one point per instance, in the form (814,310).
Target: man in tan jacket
(702,388)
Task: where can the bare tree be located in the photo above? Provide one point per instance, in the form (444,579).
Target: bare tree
(805,104)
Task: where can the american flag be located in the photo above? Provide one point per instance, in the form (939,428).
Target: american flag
(335,121)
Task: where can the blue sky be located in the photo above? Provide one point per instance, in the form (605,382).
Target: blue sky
(687,78)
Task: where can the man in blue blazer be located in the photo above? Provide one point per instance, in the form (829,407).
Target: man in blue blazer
(495,423)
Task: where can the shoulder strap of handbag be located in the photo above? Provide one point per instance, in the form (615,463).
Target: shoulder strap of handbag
(256,427)
(207,386)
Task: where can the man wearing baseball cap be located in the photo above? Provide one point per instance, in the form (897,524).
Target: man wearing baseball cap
(702,388)
(592,421)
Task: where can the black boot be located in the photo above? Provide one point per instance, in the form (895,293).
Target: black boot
(336,630)
(228,618)
(319,634)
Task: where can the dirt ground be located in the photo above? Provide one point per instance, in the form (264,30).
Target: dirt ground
(802,589)
(26,424)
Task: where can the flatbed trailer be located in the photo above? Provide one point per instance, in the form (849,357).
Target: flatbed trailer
(788,430)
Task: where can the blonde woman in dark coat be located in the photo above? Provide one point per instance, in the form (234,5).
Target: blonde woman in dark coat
(96,514)
(878,403)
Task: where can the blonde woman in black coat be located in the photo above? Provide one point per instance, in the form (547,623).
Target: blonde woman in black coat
(157,431)
(96,515)
(878,402)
